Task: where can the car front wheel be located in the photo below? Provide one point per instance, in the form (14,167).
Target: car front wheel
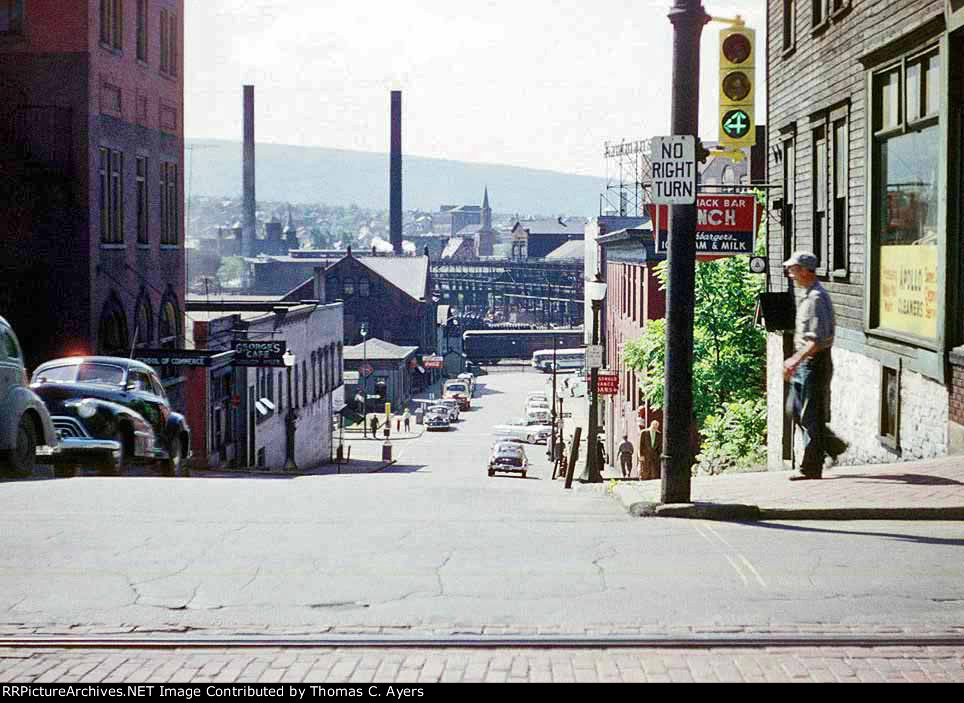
(23,457)
(115,465)
(174,465)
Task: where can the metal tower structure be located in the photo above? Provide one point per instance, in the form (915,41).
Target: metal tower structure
(629,174)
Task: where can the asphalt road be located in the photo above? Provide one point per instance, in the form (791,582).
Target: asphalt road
(435,541)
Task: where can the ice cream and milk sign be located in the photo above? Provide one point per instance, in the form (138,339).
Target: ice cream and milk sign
(726,225)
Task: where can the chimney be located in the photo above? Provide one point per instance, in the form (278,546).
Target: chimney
(395,177)
(250,204)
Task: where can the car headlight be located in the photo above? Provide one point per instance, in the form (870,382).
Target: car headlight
(85,408)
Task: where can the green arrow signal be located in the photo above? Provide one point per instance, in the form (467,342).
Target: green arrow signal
(736,123)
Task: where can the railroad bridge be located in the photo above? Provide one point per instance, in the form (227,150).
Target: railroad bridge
(551,291)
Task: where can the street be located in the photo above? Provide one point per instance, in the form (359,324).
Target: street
(433,541)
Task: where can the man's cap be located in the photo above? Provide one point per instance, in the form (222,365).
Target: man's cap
(803,259)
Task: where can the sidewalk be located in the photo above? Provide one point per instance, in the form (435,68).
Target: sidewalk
(931,489)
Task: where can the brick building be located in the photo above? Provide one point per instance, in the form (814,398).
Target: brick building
(91,195)
(864,124)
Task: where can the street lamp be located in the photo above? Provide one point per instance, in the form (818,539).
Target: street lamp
(597,293)
(291,418)
(363,331)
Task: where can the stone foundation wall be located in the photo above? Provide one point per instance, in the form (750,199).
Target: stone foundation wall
(855,410)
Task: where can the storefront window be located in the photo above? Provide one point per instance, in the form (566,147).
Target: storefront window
(906,196)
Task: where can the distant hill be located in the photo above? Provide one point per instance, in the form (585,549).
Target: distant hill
(300,174)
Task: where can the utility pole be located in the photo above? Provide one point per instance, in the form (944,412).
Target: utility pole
(687,18)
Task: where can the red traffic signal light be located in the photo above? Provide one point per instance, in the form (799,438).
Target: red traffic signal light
(737,48)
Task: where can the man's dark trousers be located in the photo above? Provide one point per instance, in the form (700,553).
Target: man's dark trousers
(811,385)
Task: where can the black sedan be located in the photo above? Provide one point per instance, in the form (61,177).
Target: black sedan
(110,412)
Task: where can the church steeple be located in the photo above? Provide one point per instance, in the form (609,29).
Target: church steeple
(486,211)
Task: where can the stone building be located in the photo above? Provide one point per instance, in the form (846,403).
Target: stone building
(91,176)
(865,120)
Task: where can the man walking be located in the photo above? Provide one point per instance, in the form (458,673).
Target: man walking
(625,452)
(810,368)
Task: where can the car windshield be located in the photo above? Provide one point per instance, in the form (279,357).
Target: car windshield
(106,374)
(456,388)
(511,449)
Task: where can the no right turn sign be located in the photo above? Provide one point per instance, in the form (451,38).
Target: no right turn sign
(674,170)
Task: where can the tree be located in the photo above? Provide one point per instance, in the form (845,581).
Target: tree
(232,269)
(729,353)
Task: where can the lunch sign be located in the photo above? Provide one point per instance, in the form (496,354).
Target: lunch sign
(726,225)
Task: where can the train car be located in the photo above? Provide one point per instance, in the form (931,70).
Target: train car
(493,346)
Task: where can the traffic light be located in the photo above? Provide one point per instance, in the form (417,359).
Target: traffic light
(737,87)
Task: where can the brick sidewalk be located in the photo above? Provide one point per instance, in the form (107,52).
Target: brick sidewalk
(935,484)
(826,664)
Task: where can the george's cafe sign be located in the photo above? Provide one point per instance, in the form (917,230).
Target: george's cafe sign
(726,225)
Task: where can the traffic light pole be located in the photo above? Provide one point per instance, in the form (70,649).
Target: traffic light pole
(688,18)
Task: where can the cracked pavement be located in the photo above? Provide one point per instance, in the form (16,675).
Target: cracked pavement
(442,544)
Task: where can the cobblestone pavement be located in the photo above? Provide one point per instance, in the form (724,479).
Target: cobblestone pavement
(825,664)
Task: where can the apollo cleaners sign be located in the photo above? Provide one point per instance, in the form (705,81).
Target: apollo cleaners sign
(726,225)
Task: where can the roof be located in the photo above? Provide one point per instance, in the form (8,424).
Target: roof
(453,247)
(575,249)
(378,349)
(409,273)
(536,227)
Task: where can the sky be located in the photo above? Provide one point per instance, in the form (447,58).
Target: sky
(534,83)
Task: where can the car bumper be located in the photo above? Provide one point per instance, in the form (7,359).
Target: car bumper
(77,450)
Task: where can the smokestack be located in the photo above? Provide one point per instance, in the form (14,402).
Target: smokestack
(395,178)
(249,223)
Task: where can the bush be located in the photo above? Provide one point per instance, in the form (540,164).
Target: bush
(733,439)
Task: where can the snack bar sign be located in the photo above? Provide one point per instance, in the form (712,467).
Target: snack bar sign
(269,353)
(726,225)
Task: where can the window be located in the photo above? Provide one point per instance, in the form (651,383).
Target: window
(839,254)
(103,171)
(819,198)
(788,216)
(142,237)
(9,346)
(144,325)
(11,17)
(169,33)
(168,328)
(821,12)
(281,390)
(294,388)
(110,176)
(170,224)
(113,328)
(364,287)
(112,23)
(349,287)
(142,30)
(339,355)
(789,24)
(314,376)
(905,186)
(165,48)
(172,38)
(890,407)
(304,383)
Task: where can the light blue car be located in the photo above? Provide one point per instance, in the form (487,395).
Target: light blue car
(24,421)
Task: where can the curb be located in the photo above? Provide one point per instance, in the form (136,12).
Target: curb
(751,513)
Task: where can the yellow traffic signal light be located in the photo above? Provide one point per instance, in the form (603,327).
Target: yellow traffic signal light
(737,87)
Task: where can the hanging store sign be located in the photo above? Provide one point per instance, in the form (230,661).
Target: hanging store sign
(726,225)
(251,353)
(175,357)
(606,383)
(433,362)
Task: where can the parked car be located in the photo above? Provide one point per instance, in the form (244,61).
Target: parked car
(25,423)
(537,405)
(453,408)
(438,420)
(458,390)
(470,380)
(508,457)
(447,410)
(475,369)
(537,396)
(111,412)
(523,431)
(537,416)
